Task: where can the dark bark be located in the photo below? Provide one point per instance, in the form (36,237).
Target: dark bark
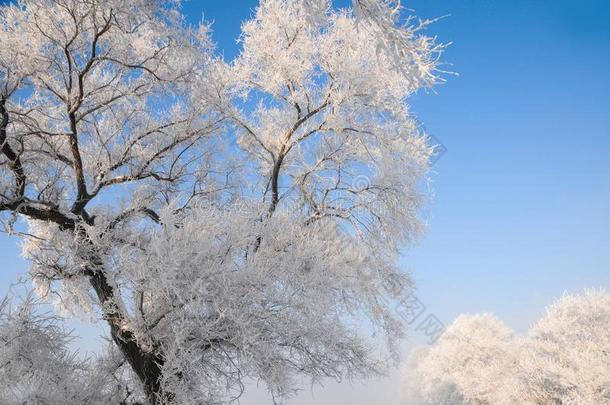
(275,194)
(14,160)
(146,364)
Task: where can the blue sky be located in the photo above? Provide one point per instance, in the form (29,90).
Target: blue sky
(520,210)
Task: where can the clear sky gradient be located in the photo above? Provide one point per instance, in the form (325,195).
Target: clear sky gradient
(520,207)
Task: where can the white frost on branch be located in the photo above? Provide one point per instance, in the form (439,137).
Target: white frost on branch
(37,366)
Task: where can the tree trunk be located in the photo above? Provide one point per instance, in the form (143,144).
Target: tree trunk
(146,364)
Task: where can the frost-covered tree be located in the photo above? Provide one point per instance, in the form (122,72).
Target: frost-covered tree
(472,363)
(37,366)
(566,356)
(564,359)
(226,219)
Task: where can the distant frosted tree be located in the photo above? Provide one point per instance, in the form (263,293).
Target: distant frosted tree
(472,363)
(563,360)
(566,356)
(227,220)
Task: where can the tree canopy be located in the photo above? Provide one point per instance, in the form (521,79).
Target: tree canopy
(226,219)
